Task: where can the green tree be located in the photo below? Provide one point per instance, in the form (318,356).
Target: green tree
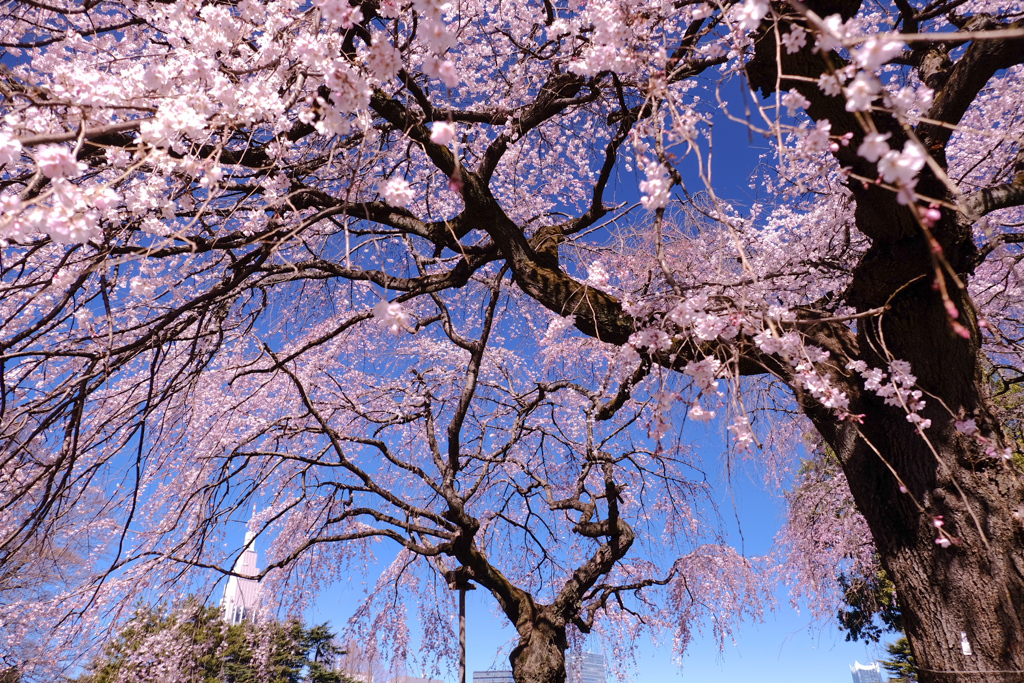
(867,597)
(190,643)
(1007,388)
(901,666)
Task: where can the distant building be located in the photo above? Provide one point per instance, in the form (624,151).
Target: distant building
(354,662)
(866,673)
(242,595)
(411,679)
(589,669)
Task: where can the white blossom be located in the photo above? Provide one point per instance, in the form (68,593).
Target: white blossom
(442,132)
(340,12)
(10,148)
(349,90)
(967,427)
(141,287)
(830,85)
(902,167)
(700,414)
(657,188)
(750,14)
(391,315)
(876,51)
(397,192)
(383,60)
(874,146)
(817,140)
(794,101)
(597,274)
(860,93)
(795,40)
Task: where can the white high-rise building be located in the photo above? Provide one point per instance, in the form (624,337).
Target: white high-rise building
(866,673)
(242,595)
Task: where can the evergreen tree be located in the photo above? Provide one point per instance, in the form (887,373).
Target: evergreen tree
(864,598)
(901,666)
(191,643)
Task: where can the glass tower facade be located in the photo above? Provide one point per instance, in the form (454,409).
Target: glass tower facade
(588,669)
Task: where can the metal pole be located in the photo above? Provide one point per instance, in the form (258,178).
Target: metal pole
(462,634)
(458,579)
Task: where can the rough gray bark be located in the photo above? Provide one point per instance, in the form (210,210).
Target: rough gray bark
(540,655)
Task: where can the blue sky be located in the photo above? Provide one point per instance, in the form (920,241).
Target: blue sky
(789,645)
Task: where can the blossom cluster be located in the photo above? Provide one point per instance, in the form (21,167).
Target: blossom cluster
(896,387)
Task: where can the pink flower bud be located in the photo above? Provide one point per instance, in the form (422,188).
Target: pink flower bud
(455,183)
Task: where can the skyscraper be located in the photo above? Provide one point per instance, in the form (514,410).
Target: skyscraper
(589,669)
(241,595)
(866,673)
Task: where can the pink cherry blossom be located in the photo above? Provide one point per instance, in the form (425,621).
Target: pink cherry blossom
(876,51)
(874,146)
(397,192)
(657,188)
(861,92)
(968,427)
(750,14)
(794,101)
(902,167)
(10,148)
(58,161)
(795,40)
(340,12)
(392,315)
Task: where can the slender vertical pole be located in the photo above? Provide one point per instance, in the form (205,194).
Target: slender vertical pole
(462,634)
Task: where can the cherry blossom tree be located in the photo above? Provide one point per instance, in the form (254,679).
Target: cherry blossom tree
(363,265)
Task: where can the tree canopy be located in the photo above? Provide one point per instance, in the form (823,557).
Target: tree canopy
(454,276)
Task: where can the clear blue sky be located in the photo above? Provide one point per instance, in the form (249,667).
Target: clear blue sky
(787,647)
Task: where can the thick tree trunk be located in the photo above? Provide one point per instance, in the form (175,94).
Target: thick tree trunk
(969,592)
(968,597)
(540,655)
(962,605)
